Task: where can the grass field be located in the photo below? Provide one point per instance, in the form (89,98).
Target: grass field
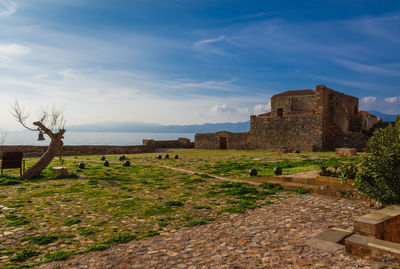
(51,218)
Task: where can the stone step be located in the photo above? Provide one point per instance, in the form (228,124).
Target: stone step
(382,224)
(330,240)
(368,247)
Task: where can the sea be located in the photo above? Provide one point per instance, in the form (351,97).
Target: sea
(91,138)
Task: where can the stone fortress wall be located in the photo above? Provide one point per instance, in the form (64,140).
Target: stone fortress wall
(149,145)
(307,120)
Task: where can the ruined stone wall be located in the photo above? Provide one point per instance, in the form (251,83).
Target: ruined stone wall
(35,151)
(340,119)
(206,141)
(180,143)
(213,140)
(292,103)
(297,132)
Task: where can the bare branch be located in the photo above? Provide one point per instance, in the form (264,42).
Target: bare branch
(20,116)
(57,119)
(54,121)
(43,116)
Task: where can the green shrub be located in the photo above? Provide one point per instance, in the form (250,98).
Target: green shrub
(348,171)
(379,175)
(325,172)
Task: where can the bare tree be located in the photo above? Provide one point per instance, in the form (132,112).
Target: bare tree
(51,124)
(3,138)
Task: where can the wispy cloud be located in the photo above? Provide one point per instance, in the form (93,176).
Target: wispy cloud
(208,41)
(7,8)
(216,46)
(368,69)
(13,50)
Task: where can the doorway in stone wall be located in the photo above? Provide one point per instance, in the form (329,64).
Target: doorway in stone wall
(222,142)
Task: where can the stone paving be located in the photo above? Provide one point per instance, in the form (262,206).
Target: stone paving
(273,236)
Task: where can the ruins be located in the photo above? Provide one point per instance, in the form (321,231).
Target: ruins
(308,120)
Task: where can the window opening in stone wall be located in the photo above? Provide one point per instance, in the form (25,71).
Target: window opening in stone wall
(280,112)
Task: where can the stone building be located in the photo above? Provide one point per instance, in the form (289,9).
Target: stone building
(367,120)
(308,120)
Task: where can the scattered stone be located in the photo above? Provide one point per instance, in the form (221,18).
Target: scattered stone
(278,171)
(252,172)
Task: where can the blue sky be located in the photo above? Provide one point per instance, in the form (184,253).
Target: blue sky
(182,62)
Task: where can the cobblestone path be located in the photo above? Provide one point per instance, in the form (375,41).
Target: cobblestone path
(273,236)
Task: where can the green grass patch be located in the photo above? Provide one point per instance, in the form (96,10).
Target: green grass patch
(58,256)
(71,222)
(24,255)
(40,239)
(299,191)
(15,220)
(86,232)
(199,222)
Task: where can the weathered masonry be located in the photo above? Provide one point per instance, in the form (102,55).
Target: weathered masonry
(307,120)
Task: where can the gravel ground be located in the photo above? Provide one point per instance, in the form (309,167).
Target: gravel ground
(273,236)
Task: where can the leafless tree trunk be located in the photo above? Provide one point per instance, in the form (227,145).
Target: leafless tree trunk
(3,138)
(53,126)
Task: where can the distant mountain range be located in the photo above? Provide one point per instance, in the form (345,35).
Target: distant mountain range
(141,127)
(383,116)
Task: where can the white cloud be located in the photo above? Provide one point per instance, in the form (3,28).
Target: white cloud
(7,8)
(13,50)
(368,99)
(262,108)
(393,99)
(219,108)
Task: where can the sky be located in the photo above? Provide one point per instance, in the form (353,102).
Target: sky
(197,61)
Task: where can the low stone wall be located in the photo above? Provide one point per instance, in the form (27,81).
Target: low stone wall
(346,151)
(149,145)
(35,151)
(180,143)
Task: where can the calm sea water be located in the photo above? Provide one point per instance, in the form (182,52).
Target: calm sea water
(93,138)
